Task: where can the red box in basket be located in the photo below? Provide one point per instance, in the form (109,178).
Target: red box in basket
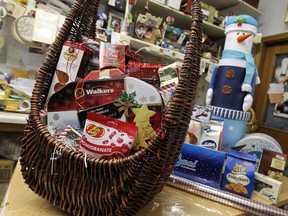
(110,97)
(145,71)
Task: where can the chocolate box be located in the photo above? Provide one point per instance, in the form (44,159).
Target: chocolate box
(267,188)
(200,164)
(272,164)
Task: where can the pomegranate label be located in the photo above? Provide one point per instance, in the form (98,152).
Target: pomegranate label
(107,137)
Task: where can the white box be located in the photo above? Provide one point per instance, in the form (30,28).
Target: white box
(60,119)
(267,188)
(176,4)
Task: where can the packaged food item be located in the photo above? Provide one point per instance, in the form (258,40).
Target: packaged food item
(169,73)
(272,164)
(254,144)
(110,97)
(111,56)
(211,135)
(71,65)
(239,173)
(147,72)
(107,137)
(194,132)
(267,188)
(200,164)
(235,123)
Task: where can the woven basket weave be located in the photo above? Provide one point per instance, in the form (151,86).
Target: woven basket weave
(105,186)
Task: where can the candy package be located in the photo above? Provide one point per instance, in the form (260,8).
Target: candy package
(107,137)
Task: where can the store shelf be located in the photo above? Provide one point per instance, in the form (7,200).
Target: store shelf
(13,118)
(145,47)
(182,20)
(235,6)
(155,50)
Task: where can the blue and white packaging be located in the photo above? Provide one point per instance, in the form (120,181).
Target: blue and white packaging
(235,123)
(200,164)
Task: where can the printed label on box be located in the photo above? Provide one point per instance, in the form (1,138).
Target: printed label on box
(200,164)
(267,188)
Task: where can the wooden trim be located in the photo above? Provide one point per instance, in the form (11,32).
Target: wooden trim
(265,67)
(272,39)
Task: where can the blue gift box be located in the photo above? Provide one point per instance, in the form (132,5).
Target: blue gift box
(200,164)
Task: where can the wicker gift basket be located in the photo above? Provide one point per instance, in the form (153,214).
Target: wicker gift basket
(105,186)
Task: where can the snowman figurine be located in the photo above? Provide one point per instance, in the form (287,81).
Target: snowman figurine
(233,81)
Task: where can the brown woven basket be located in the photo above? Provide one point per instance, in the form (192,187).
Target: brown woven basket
(105,186)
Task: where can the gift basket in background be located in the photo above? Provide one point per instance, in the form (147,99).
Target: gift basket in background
(76,182)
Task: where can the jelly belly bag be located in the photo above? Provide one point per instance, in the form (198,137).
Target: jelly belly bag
(239,173)
(107,137)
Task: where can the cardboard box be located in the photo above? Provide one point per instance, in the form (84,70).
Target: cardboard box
(272,164)
(200,164)
(267,188)
(6,170)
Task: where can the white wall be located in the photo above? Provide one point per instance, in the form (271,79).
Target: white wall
(272,20)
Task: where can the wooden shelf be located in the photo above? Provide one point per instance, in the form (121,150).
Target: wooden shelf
(235,6)
(156,50)
(182,20)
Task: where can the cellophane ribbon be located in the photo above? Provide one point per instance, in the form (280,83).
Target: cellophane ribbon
(229,199)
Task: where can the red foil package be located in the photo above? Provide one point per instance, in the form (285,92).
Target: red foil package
(111,56)
(147,72)
(107,137)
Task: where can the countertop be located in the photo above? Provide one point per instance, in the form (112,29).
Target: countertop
(20,200)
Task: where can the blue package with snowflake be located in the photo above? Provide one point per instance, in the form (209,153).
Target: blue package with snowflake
(200,164)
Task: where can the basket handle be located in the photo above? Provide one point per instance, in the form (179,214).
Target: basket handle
(80,21)
(176,119)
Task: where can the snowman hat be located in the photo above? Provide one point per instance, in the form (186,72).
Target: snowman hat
(241,23)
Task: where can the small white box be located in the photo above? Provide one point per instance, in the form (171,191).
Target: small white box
(60,119)
(267,188)
(176,4)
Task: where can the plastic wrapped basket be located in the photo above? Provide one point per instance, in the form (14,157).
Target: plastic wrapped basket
(105,186)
